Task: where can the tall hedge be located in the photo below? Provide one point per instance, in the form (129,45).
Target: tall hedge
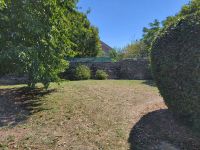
(175,62)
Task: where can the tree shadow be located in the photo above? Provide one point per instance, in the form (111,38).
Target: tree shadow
(17,104)
(158,130)
(149,82)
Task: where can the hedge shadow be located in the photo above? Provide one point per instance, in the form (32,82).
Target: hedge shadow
(159,130)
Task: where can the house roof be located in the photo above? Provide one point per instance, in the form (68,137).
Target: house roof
(106,48)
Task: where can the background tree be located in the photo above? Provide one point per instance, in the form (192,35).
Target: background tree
(35,37)
(136,49)
(85,37)
(114,55)
(142,48)
(150,33)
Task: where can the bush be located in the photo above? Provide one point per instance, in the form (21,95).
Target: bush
(101,75)
(176,68)
(82,72)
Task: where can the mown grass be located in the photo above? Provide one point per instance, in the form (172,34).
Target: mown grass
(74,115)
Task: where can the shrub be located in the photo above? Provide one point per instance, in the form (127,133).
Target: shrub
(82,72)
(101,75)
(176,68)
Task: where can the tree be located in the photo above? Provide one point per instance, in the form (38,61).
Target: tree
(84,36)
(150,33)
(136,49)
(113,54)
(37,36)
(34,38)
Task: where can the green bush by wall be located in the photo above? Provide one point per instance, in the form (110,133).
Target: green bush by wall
(82,72)
(101,75)
(175,62)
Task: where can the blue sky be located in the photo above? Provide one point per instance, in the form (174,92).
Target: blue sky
(122,21)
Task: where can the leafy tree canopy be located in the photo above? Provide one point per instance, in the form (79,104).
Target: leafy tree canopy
(84,36)
(150,33)
(134,50)
(36,36)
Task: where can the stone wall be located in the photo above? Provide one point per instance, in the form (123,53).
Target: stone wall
(130,69)
(13,79)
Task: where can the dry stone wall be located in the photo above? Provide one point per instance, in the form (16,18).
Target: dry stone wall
(131,69)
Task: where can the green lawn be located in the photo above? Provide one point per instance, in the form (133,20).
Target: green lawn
(74,115)
(79,115)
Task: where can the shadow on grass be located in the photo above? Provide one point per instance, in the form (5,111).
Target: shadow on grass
(149,82)
(158,130)
(17,104)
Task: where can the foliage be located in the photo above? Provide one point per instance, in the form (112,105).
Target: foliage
(33,39)
(101,53)
(82,72)
(85,37)
(101,75)
(190,8)
(150,33)
(141,48)
(36,36)
(114,55)
(168,21)
(135,50)
(175,64)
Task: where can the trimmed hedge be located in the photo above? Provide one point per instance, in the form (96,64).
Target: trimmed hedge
(175,62)
(101,75)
